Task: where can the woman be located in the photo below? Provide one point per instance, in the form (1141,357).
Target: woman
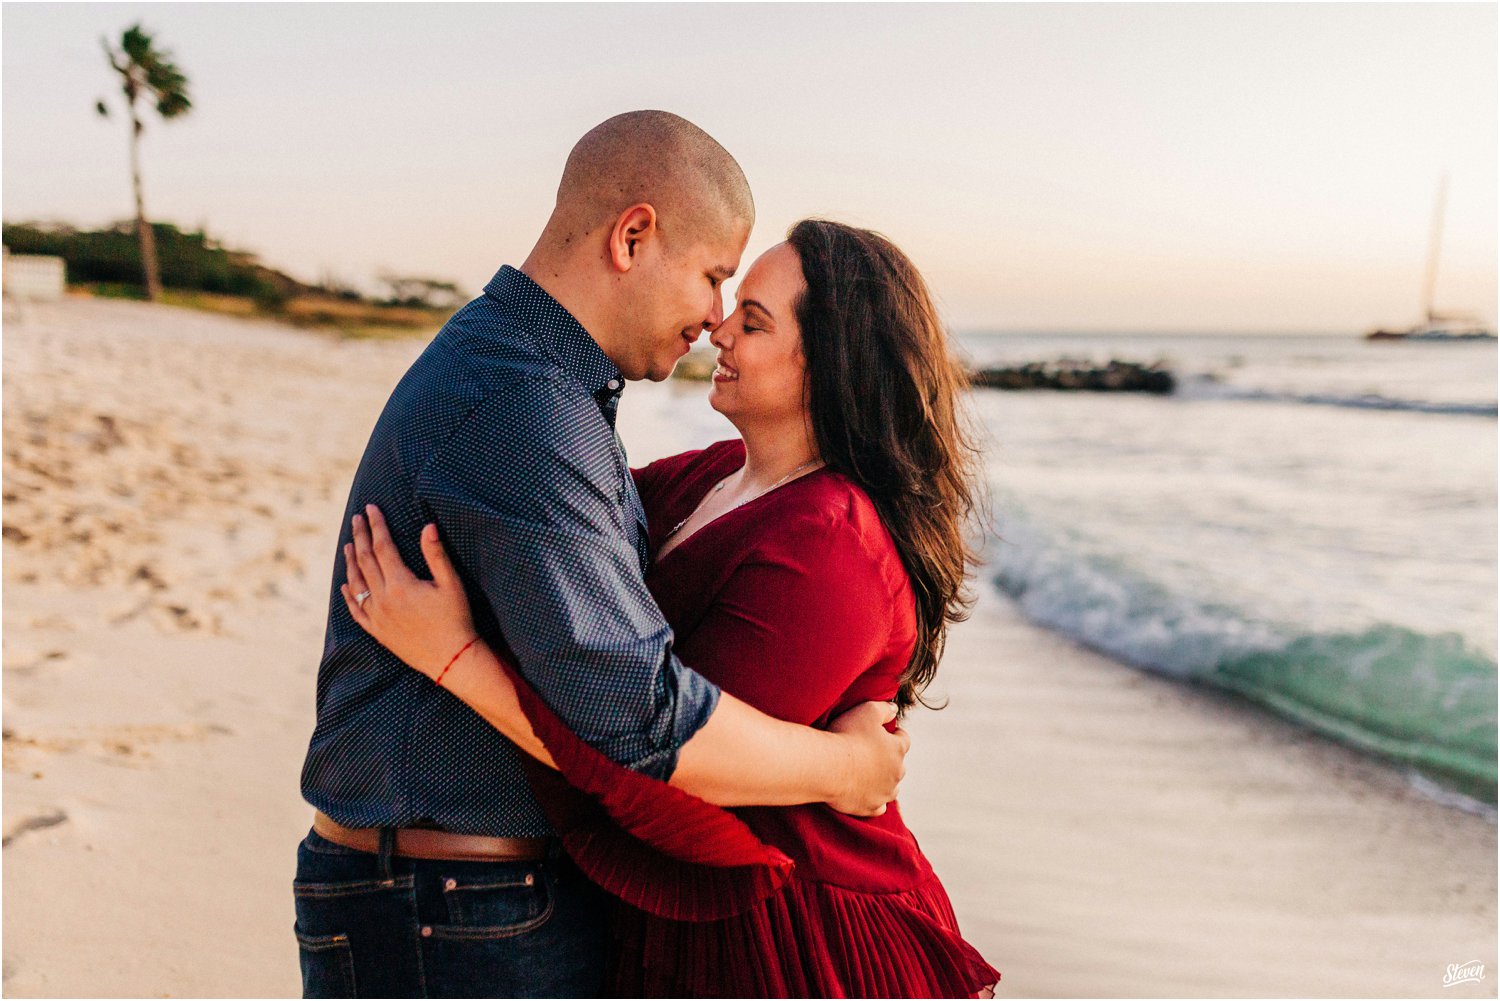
(806,568)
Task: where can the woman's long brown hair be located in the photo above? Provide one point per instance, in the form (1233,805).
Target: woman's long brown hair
(887,411)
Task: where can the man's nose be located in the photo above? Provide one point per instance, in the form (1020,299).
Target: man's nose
(716,313)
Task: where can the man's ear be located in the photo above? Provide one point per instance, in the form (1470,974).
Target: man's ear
(634,227)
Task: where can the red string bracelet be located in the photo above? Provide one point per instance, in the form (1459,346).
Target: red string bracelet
(439,679)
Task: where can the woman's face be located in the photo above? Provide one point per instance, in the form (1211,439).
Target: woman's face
(761,374)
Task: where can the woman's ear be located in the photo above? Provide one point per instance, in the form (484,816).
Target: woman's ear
(632,230)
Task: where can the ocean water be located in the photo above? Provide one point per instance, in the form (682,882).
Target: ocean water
(1309,521)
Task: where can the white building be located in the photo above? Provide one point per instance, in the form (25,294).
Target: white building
(33,276)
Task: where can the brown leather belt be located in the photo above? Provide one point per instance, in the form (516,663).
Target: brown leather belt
(418,842)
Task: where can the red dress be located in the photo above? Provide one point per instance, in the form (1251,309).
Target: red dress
(798,604)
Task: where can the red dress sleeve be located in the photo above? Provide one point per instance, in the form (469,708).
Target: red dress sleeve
(654,846)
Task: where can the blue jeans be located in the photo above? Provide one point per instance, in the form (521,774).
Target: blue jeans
(378,926)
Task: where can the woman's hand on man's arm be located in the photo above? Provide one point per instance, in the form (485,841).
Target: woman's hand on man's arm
(428,625)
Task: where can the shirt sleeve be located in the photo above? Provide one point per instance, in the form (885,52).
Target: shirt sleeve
(799,620)
(528,494)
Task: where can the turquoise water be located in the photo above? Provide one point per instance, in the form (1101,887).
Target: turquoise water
(1309,521)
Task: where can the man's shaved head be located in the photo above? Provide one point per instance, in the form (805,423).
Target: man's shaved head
(651,220)
(655,157)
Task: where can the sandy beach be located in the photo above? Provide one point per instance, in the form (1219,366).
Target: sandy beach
(172,486)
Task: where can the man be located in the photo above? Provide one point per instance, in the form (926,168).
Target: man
(430,870)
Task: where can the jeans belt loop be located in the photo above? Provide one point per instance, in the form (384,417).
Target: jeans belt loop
(387,850)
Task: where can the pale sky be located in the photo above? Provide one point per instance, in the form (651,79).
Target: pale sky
(1048,167)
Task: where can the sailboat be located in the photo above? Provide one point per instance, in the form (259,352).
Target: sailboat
(1437,326)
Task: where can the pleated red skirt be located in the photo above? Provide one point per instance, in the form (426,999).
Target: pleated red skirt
(808,940)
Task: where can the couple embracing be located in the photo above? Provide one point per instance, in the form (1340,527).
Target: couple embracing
(588,730)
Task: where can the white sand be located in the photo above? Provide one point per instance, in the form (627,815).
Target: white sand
(172,485)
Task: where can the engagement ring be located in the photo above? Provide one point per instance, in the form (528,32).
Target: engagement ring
(359,599)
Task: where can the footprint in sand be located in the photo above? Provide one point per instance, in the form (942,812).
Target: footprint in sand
(129,746)
(26,662)
(36,822)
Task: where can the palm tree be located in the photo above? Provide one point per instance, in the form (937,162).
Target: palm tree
(146,72)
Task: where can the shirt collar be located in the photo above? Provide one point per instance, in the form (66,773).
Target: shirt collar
(557,333)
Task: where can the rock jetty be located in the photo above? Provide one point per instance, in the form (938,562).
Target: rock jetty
(1115,376)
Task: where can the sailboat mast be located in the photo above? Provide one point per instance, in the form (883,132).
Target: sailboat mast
(1433,249)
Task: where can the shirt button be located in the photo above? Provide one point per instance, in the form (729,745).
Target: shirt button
(427,931)
(450,884)
(530,879)
(612,385)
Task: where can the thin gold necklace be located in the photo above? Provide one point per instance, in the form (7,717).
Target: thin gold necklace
(724,482)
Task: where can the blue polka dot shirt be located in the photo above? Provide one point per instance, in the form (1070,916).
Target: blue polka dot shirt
(502,432)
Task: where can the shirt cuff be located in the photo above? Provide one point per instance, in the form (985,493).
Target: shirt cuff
(697,698)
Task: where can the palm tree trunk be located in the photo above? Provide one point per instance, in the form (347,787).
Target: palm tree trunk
(142,227)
